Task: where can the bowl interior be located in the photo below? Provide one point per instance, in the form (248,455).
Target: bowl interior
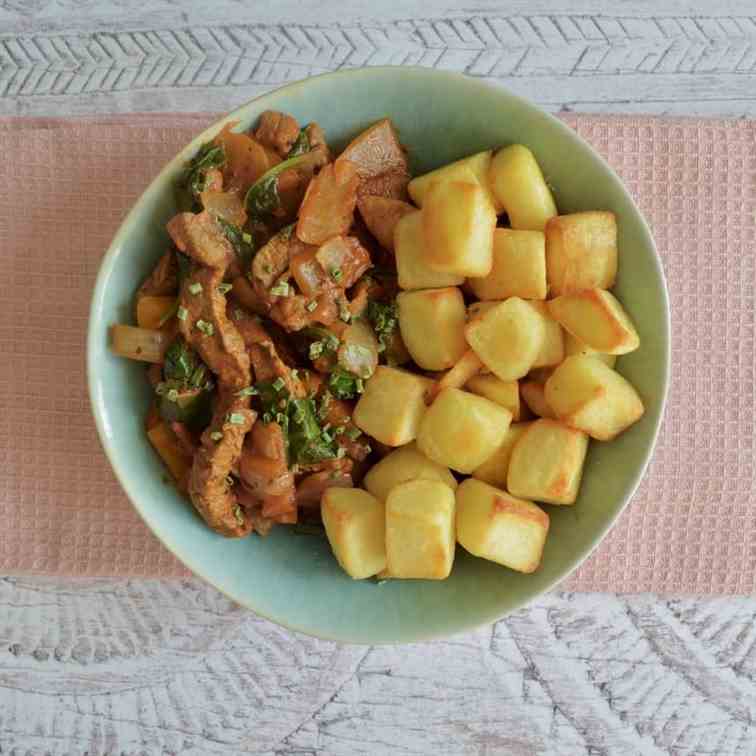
(293,579)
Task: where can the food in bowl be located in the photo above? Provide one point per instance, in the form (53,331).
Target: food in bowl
(318,323)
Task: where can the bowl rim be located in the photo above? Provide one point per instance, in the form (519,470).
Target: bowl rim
(108,260)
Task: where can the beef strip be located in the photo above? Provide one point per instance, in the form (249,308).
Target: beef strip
(206,327)
(200,237)
(278,131)
(210,486)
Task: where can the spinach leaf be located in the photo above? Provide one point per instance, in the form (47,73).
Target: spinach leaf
(262,197)
(210,155)
(345,385)
(301,145)
(384,317)
(241,241)
(183,366)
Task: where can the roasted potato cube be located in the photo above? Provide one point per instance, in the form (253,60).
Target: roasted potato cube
(474,168)
(381,214)
(401,465)
(420,533)
(518,184)
(392,405)
(534,395)
(581,252)
(552,346)
(458,227)
(589,395)
(575,346)
(519,267)
(505,393)
(547,463)
(432,324)
(596,318)
(355,523)
(412,270)
(461,430)
(507,337)
(494,469)
(494,525)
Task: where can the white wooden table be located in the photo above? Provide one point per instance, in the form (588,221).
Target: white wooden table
(150,667)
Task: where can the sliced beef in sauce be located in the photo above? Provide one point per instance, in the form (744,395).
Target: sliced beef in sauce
(200,237)
(206,327)
(210,486)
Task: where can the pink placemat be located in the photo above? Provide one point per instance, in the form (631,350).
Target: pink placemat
(66,185)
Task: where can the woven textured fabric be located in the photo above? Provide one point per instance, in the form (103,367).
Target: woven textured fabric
(690,527)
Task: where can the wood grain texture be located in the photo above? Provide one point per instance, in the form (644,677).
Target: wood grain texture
(130,668)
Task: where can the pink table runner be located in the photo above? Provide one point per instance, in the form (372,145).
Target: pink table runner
(66,185)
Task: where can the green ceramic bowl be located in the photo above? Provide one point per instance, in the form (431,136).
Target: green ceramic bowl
(293,579)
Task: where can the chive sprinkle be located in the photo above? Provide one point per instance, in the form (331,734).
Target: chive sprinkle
(238,515)
(280,289)
(279,383)
(337,274)
(216,435)
(224,288)
(248,391)
(311,306)
(172,395)
(182,313)
(205,327)
(195,288)
(247,238)
(235,418)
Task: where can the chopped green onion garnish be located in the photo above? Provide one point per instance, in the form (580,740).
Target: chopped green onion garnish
(295,374)
(182,313)
(267,417)
(337,274)
(360,385)
(216,435)
(195,288)
(316,349)
(235,418)
(247,238)
(340,452)
(279,383)
(224,288)
(280,289)
(327,437)
(238,514)
(172,395)
(344,312)
(249,391)
(205,327)
(353,433)
(280,418)
(238,314)
(311,306)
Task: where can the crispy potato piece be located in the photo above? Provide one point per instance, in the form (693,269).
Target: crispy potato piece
(420,534)
(458,228)
(467,367)
(519,267)
(462,430)
(505,393)
(494,469)
(573,345)
(328,206)
(165,443)
(534,395)
(412,270)
(587,394)
(381,214)
(473,168)
(401,465)
(355,523)
(145,344)
(501,528)
(519,186)
(552,346)
(581,252)
(392,405)
(507,337)
(440,312)
(547,463)
(596,318)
